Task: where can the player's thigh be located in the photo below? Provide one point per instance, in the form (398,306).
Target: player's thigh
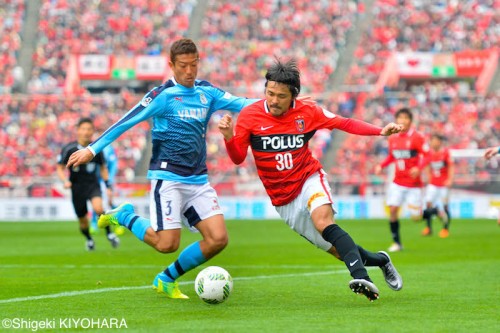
(165,202)
(202,211)
(444,195)
(414,202)
(79,201)
(298,218)
(431,195)
(317,198)
(213,230)
(395,195)
(95,196)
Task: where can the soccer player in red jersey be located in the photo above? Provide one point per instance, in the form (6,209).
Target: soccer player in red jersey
(488,154)
(441,171)
(278,129)
(407,150)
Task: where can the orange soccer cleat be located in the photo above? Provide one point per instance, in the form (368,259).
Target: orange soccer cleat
(444,233)
(426,231)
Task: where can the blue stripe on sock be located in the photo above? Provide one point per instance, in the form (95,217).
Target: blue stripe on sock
(131,224)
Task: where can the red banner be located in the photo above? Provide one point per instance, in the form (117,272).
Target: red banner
(471,63)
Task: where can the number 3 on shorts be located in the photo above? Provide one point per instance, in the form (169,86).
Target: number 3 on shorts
(168,211)
(284,161)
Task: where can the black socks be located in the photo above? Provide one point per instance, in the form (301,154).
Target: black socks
(347,250)
(372,259)
(86,233)
(395,231)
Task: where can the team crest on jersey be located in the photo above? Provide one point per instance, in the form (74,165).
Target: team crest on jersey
(203,99)
(300,124)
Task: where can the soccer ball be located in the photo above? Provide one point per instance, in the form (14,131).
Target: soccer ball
(213,285)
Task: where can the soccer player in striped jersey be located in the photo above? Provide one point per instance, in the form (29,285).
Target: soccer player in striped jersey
(180,193)
(278,129)
(441,171)
(407,151)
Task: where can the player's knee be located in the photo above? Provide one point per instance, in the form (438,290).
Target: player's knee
(167,247)
(219,242)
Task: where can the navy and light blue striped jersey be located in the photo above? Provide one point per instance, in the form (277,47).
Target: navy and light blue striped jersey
(180,120)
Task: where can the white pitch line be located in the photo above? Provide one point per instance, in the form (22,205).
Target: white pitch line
(104,290)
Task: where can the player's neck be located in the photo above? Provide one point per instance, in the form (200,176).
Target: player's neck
(83,143)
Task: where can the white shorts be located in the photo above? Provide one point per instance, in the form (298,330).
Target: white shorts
(297,214)
(397,195)
(437,196)
(174,203)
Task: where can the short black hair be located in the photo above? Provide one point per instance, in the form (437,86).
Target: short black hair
(438,136)
(405,111)
(286,73)
(182,46)
(85,120)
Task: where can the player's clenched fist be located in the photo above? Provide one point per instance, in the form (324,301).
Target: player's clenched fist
(226,126)
(391,128)
(490,152)
(80,157)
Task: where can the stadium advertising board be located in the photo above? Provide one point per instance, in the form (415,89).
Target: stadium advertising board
(108,67)
(258,208)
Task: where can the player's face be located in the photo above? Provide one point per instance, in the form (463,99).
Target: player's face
(84,133)
(185,68)
(435,143)
(404,120)
(278,97)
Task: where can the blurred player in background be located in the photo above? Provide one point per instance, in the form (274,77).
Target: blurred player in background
(407,150)
(278,130)
(441,171)
(83,181)
(488,154)
(180,193)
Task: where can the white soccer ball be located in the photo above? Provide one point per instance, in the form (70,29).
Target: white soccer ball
(213,285)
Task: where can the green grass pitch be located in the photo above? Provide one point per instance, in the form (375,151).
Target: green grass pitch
(282,283)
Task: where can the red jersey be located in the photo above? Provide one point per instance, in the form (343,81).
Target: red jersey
(439,163)
(280,144)
(407,150)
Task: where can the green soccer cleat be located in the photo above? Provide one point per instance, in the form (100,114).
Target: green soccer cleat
(112,216)
(171,289)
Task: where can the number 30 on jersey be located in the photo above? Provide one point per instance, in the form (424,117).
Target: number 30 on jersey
(284,161)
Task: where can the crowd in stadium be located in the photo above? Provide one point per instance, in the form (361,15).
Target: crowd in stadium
(35,129)
(237,42)
(249,33)
(102,27)
(432,26)
(11,22)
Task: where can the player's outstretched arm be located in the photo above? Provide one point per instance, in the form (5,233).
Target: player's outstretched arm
(80,157)
(391,129)
(490,152)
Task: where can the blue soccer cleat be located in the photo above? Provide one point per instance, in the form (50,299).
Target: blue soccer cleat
(113,216)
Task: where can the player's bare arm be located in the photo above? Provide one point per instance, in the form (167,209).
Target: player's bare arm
(61,173)
(80,157)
